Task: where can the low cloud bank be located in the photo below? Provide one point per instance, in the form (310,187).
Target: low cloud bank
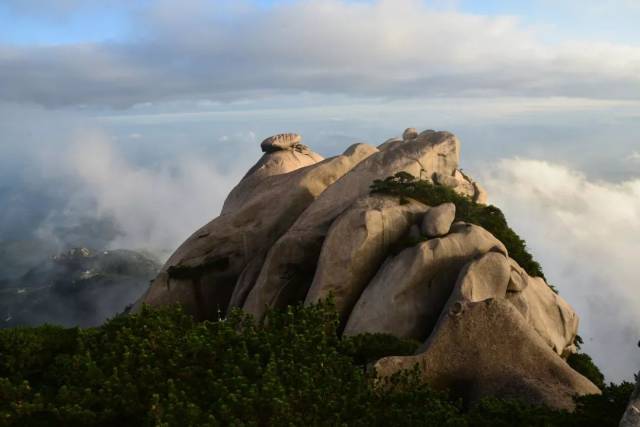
(585,234)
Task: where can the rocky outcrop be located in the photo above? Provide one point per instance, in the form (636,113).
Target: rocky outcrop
(356,244)
(203,272)
(407,294)
(298,228)
(631,417)
(487,348)
(291,262)
(283,154)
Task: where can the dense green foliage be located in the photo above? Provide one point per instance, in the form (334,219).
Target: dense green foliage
(161,367)
(489,217)
(584,364)
(368,348)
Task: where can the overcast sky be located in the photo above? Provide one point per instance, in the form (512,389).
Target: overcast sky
(145,113)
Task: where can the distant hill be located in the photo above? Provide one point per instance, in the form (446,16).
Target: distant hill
(80,287)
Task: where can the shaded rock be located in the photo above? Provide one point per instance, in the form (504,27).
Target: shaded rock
(389,143)
(414,232)
(437,221)
(203,272)
(246,281)
(291,262)
(406,296)
(409,133)
(356,244)
(487,348)
(631,417)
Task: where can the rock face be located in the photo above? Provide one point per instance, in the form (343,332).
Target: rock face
(631,417)
(407,294)
(291,262)
(298,228)
(356,244)
(487,349)
(202,273)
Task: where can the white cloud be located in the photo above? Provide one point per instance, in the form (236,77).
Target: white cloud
(585,234)
(229,50)
(634,157)
(154,208)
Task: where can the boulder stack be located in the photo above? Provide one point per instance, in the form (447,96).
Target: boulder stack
(300,228)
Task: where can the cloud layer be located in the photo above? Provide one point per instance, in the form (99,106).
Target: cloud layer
(392,48)
(151,207)
(585,234)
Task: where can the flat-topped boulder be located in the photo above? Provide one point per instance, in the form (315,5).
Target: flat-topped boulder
(281,141)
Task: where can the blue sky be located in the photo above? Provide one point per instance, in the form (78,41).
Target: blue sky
(141,112)
(59,22)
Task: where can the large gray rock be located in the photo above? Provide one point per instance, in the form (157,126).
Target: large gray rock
(407,295)
(291,262)
(357,243)
(487,348)
(631,417)
(437,221)
(203,272)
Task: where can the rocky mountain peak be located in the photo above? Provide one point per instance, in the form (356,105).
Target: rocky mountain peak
(403,242)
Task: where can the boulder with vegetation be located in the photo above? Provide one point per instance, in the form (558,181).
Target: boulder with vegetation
(405,244)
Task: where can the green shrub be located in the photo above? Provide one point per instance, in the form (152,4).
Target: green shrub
(367,348)
(583,364)
(489,217)
(160,367)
